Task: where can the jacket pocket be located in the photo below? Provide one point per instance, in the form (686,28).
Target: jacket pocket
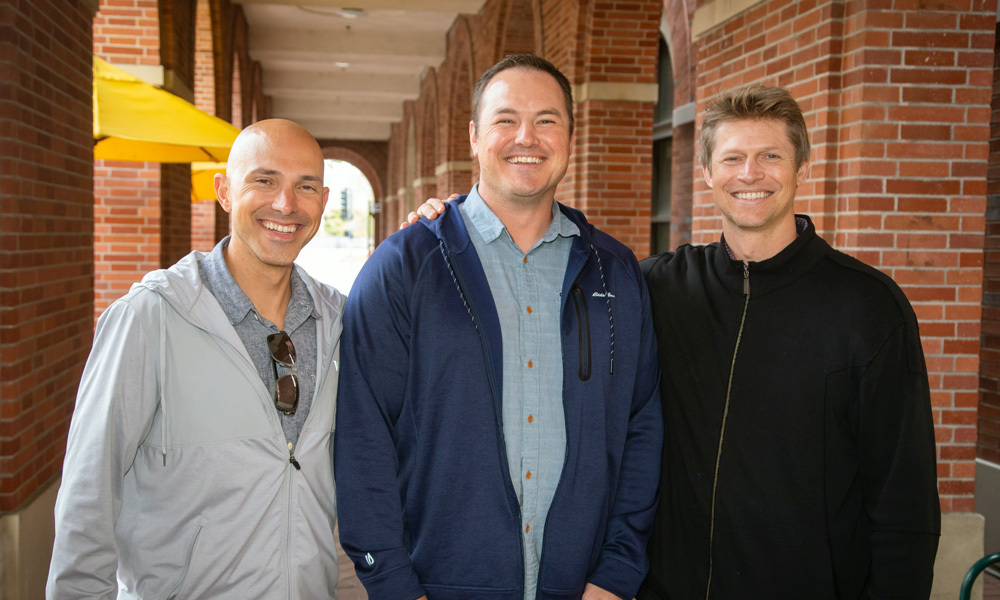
(192,550)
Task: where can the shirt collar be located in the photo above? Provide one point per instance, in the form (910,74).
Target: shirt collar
(234,301)
(490,227)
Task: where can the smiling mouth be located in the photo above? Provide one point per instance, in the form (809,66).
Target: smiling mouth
(524,160)
(279,228)
(751,195)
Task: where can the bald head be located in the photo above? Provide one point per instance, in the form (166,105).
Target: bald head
(273,190)
(257,141)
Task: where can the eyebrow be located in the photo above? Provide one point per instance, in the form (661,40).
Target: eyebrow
(274,172)
(544,111)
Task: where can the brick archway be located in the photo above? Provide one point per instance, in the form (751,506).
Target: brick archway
(456,168)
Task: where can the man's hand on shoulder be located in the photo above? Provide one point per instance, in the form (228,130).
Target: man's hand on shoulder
(592,592)
(430,209)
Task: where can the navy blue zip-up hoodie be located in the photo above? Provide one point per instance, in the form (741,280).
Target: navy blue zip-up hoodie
(424,494)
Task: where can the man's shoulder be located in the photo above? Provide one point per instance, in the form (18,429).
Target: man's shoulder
(867,279)
(684,257)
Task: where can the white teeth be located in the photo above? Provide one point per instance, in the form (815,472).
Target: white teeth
(751,195)
(524,159)
(280,228)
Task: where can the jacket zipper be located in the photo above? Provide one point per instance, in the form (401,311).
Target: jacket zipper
(583,334)
(722,429)
(291,457)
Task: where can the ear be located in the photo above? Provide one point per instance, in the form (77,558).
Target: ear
(221,182)
(803,173)
(472,138)
(707,175)
(326,196)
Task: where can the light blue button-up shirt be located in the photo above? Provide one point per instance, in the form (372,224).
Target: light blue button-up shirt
(526,289)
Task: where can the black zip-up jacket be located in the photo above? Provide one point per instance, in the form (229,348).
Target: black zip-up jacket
(826,479)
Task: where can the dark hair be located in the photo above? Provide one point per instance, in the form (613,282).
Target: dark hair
(522,61)
(754,102)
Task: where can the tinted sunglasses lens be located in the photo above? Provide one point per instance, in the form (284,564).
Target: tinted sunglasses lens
(281,348)
(286,393)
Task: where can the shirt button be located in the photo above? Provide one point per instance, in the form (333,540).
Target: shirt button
(525,258)
(529,310)
(528,475)
(530,364)
(527,528)
(531,418)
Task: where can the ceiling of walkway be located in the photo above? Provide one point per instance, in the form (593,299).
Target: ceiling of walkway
(343,68)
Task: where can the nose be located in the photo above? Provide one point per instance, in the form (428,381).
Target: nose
(284,200)
(526,134)
(751,171)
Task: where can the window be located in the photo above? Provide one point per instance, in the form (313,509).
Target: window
(663,131)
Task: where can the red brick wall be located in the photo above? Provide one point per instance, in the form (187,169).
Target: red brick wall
(897,102)
(126,194)
(988,442)
(203,225)
(128,32)
(46,235)
(204,60)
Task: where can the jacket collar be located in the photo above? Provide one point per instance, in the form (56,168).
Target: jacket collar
(776,272)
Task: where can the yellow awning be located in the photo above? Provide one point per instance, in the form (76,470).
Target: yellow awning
(203,180)
(136,121)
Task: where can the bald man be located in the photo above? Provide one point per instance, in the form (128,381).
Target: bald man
(199,455)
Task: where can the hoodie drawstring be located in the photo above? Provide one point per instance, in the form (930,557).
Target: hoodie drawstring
(611,316)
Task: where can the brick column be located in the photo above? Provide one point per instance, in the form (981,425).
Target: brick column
(610,177)
(46,267)
(126,194)
(916,109)
(988,441)
(208,219)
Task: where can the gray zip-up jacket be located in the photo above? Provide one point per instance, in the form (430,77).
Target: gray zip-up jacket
(177,481)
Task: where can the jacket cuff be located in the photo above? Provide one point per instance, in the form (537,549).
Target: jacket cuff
(617,577)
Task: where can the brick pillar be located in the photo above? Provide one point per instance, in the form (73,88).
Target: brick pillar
(46,267)
(46,235)
(916,108)
(611,172)
(988,440)
(203,225)
(126,194)
(204,215)
(126,227)
(144,213)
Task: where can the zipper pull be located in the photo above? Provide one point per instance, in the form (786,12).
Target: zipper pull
(291,458)
(746,278)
